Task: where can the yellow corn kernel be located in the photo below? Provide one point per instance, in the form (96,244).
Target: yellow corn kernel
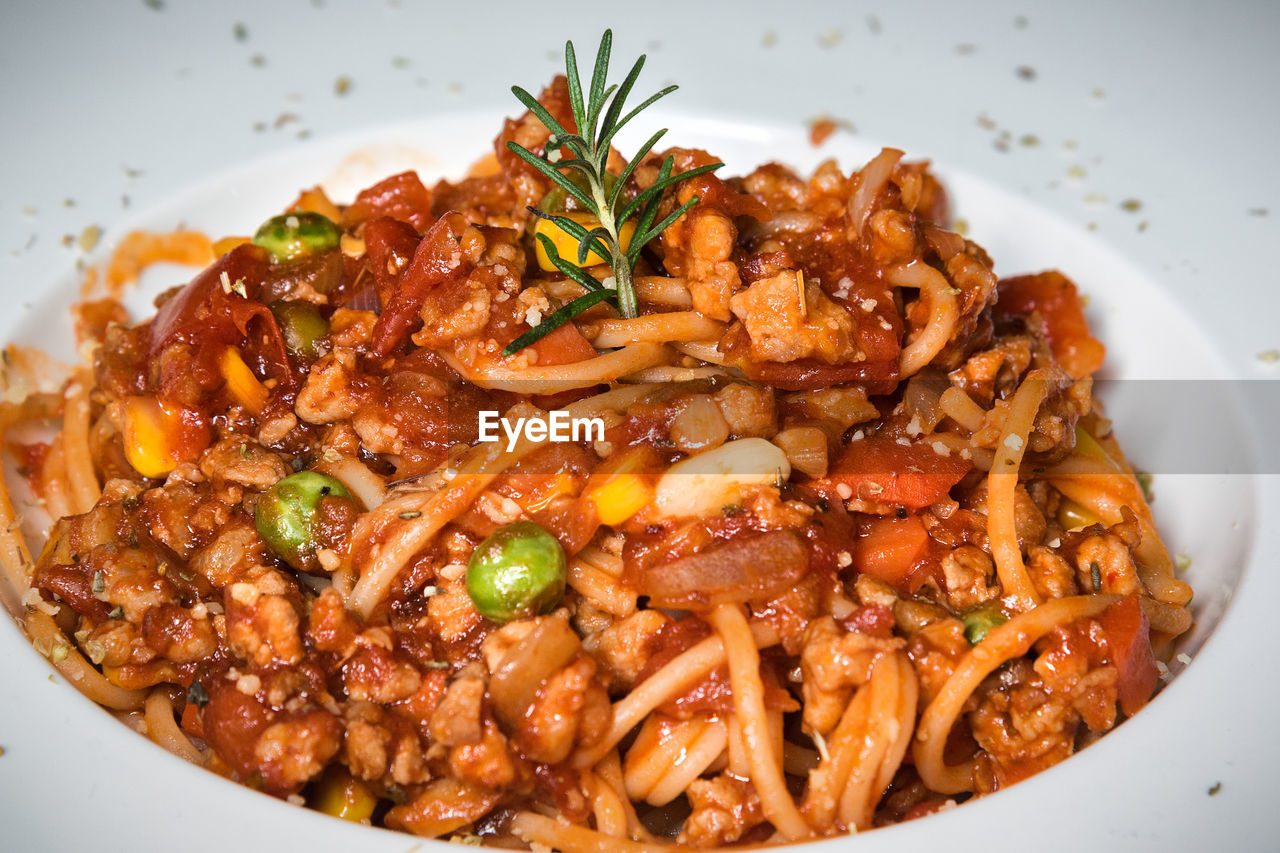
(156,440)
(567,245)
(1072,516)
(621,497)
(226,244)
(562,485)
(241,382)
(315,200)
(1087,445)
(339,794)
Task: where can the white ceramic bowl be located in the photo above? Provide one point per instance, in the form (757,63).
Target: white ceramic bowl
(1110,111)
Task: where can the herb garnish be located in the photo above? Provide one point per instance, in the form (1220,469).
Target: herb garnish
(197,695)
(598,118)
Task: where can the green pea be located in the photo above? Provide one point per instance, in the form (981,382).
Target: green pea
(518,571)
(979,621)
(286,514)
(290,236)
(304,329)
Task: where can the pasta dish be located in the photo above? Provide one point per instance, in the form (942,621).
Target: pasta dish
(595,502)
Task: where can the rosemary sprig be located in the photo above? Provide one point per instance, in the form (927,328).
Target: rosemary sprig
(598,114)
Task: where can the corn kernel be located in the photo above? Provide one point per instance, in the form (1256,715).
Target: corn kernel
(1087,445)
(157,439)
(567,245)
(241,382)
(619,489)
(339,794)
(621,497)
(226,244)
(1072,516)
(562,485)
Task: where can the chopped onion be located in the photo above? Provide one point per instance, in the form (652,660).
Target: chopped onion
(515,682)
(748,568)
(806,449)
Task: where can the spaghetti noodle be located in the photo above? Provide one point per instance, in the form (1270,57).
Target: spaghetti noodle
(852,493)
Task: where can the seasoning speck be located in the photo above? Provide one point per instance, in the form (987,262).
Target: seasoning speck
(966,49)
(1026,72)
(1077,171)
(1258,211)
(830,38)
(820,129)
(1269,356)
(769,39)
(1029,140)
(342,85)
(154,5)
(402,62)
(1213,789)
(410,515)
(873,25)
(1181,562)
(257,60)
(89,238)
(1020,22)
(240,31)
(1131,205)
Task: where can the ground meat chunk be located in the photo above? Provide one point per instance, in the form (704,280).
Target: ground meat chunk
(832,663)
(784,325)
(967,572)
(243,462)
(724,809)
(572,708)
(330,393)
(626,646)
(262,619)
(290,752)
(457,719)
(235,551)
(1051,575)
(486,763)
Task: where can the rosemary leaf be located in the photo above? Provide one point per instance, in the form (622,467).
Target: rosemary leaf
(558,318)
(561,179)
(578,274)
(639,240)
(631,167)
(535,107)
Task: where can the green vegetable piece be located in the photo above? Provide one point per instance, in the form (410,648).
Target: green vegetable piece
(286,514)
(304,329)
(979,621)
(518,571)
(559,201)
(290,236)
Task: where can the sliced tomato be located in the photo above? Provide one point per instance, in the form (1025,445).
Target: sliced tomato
(191,721)
(389,245)
(883,471)
(563,346)
(401,196)
(889,548)
(1129,639)
(1055,298)
(435,261)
